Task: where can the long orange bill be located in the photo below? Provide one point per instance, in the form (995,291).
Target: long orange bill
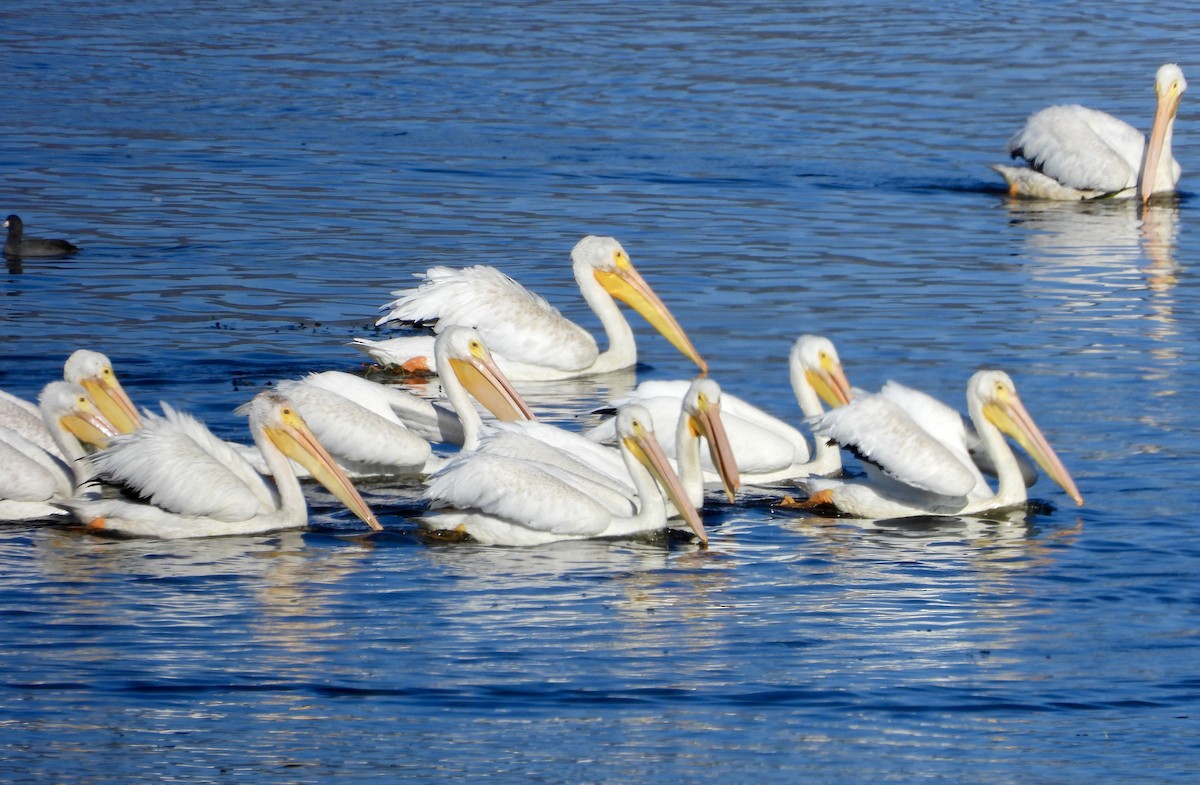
(650,454)
(297,442)
(713,430)
(627,285)
(1011,417)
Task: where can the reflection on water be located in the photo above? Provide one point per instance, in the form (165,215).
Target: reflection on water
(1114,267)
(248,183)
(1097,246)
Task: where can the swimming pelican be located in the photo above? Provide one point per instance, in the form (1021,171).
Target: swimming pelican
(32,478)
(1073,152)
(25,419)
(375,430)
(198,486)
(766,448)
(530,338)
(911,472)
(949,427)
(601,470)
(94,372)
(511,501)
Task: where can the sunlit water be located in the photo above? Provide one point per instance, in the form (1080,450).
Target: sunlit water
(249,186)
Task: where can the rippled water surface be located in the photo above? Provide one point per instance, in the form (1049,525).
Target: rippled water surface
(249,182)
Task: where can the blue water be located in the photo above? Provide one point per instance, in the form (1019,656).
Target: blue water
(249,185)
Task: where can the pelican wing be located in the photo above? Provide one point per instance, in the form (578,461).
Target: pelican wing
(516,323)
(24,418)
(527,493)
(881,433)
(428,420)
(29,473)
(937,419)
(179,465)
(1081,148)
(361,439)
(950,428)
(602,460)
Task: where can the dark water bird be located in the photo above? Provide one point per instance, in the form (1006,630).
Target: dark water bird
(18,245)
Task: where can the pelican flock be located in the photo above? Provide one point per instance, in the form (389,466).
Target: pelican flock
(602,468)
(86,451)
(1073,152)
(506,501)
(766,448)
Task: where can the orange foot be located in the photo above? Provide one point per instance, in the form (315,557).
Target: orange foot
(819,499)
(419,364)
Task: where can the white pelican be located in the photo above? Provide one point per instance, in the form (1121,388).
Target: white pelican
(766,449)
(94,372)
(601,470)
(512,501)
(32,478)
(531,339)
(911,472)
(23,418)
(1073,152)
(375,430)
(948,426)
(198,486)
(467,368)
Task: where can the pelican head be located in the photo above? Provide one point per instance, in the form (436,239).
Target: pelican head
(607,262)
(635,432)
(996,395)
(463,351)
(702,407)
(279,421)
(67,407)
(1169,85)
(93,371)
(817,358)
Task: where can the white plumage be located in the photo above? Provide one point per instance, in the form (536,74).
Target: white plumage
(514,501)
(197,485)
(766,448)
(354,421)
(34,477)
(530,339)
(601,470)
(1073,152)
(914,471)
(94,372)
